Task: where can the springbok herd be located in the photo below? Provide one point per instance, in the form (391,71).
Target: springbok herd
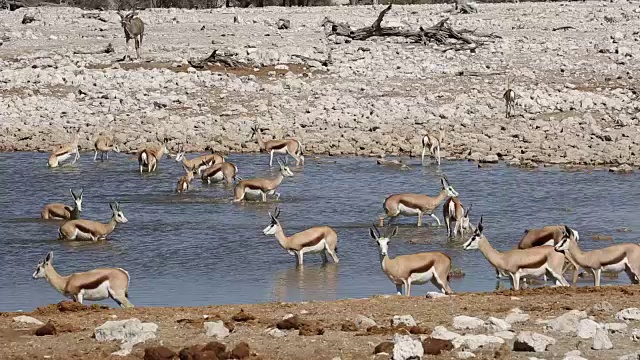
(547,251)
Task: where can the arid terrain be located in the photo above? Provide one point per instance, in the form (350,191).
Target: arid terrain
(576,87)
(332,329)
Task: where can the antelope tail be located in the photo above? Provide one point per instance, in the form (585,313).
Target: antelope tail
(144,158)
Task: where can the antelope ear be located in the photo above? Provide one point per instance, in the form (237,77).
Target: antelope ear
(111,206)
(49,257)
(372,234)
(72,193)
(81,192)
(480,226)
(567,230)
(394,232)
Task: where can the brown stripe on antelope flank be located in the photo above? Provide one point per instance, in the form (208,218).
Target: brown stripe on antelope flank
(615,260)
(84,229)
(409,204)
(252,186)
(313,242)
(535,264)
(542,240)
(422,268)
(279,146)
(61,152)
(213,171)
(94,283)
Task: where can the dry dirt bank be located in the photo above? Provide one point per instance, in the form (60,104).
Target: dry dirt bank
(577,88)
(341,338)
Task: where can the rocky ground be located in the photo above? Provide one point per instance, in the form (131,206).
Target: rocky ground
(543,323)
(577,88)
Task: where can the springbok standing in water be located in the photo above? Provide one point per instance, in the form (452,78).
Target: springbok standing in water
(409,204)
(224,171)
(63,152)
(92,230)
(420,268)
(58,211)
(148,158)
(454,210)
(616,258)
(261,187)
(433,144)
(291,147)
(319,239)
(103,145)
(94,285)
(199,163)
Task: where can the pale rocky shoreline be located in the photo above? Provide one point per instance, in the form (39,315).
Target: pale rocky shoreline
(578,101)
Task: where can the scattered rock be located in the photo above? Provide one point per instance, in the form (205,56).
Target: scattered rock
(567,323)
(216,329)
(242,316)
(615,328)
(283,24)
(465,355)
(311,328)
(634,356)
(384,347)
(601,237)
(349,326)
(241,351)
(440,332)
(604,306)
(463,322)
(47,329)
(601,340)
(128,332)
(276,333)
(587,328)
(530,341)
(513,318)
(435,295)
(473,342)
(211,351)
(159,353)
(71,306)
(496,324)
(363,322)
(406,320)
(27,320)
(289,323)
(635,335)
(507,335)
(433,346)
(406,348)
(629,314)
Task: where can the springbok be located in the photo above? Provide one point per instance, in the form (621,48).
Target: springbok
(133,29)
(261,186)
(63,152)
(509,97)
(185,181)
(616,258)
(409,204)
(92,230)
(454,210)
(58,211)
(433,144)
(319,239)
(148,158)
(291,147)
(94,285)
(103,145)
(199,163)
(548,235)
(223,171)
(534,261)
(404,270)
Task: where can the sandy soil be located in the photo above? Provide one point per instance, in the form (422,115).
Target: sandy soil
(181,327)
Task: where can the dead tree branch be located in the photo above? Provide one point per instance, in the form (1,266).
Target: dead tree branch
(107,50)
(441,33)
(215,57)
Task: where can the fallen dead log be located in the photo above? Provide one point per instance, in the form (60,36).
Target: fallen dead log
(27,19)
(310,61)
(215,57)
(441,33)
(94,16)
(563,28)
(107,50)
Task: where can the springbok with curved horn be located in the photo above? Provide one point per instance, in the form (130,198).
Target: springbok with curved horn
(92,230)
(63,152)
(433,144)
(148,158)
(319,239)
(548,235)
(409,204)
(260,186)
(224,171)
(94,285)
(103,145)
(58,211)
(616,258)
(185,181)
(453,210)
(199,163)
(509,97)
(133,28)
(420,268)
(291,147)
(535,261)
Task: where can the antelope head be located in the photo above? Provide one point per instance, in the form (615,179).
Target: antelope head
(284,169)
(568,235)
(180,155)
(273,226)
(41,267)
(465,218)
(474,242)
(77,198)
(451,192)
(383,240)
(117,213)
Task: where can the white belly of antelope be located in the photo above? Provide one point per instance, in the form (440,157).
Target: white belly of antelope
(319,247)
(79,235)
(280,151)
(253,194)
(99,293)
(64,157)
(421,278)
(217,176)
(407,211)
(533,271)
(617,267)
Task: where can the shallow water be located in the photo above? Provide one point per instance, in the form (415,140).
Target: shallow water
(199,248)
